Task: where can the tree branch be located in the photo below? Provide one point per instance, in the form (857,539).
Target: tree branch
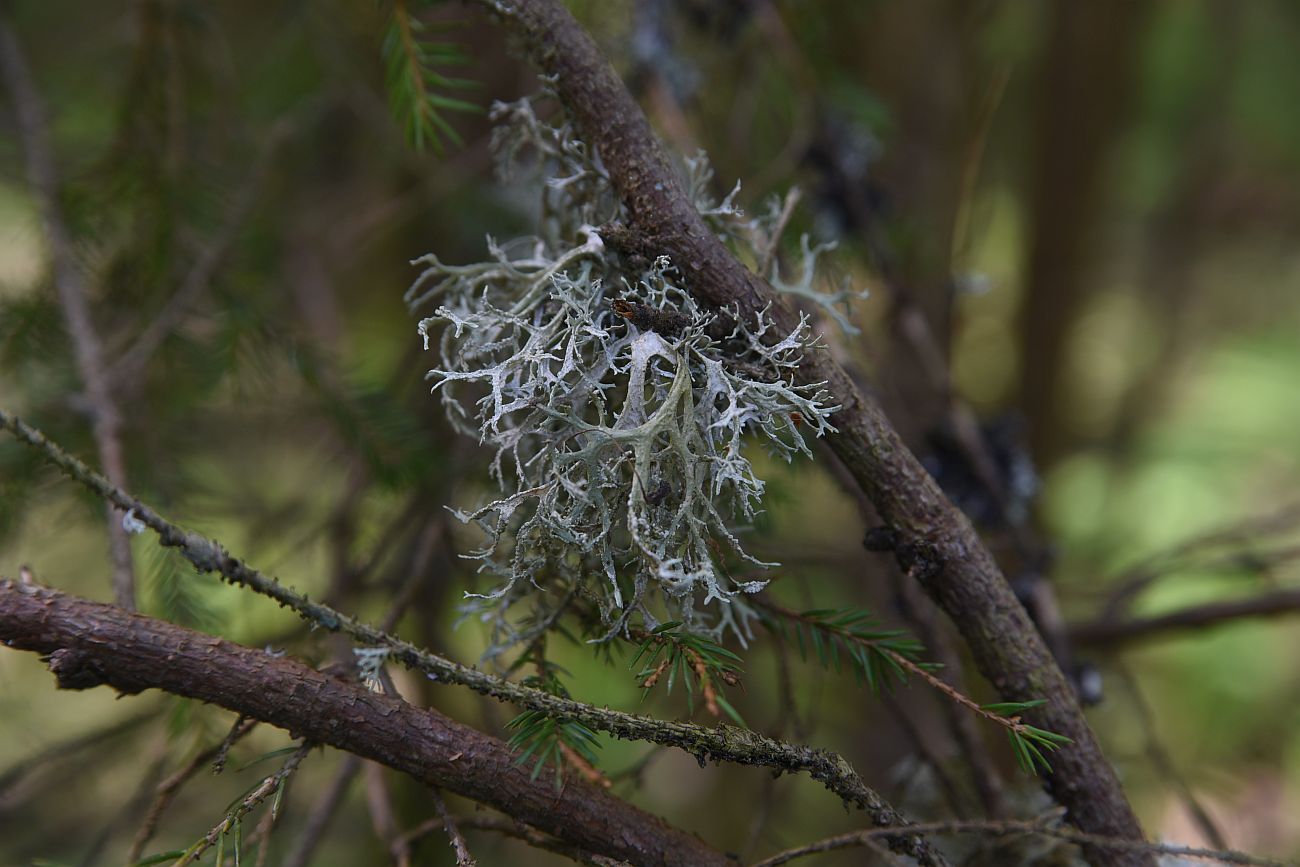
(90,644)
(318,820)
(1109,634)
(723,743)
(998,828)
(74,296)
(168,789)
(965,580)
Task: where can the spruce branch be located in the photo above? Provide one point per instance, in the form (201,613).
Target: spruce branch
(723,743)
(544,738)
(232,823)
(877,654)
(91,644)
(694,660)
(415,83)
(171,786)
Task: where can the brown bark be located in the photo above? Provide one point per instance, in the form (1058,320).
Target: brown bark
(90,644)
(961,574)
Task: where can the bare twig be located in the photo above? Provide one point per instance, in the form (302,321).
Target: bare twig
(263,836)
(463,856)
(925,751)
(170,787)
(12,778)
(772,242)
(266,789)
(1238,546)
(860,838)
(979,760)
(237,731)
(722,743)
(1111,634)
(129,806)
(1164,763)
(313,831)
(74,296)
(517,830)
(383,820)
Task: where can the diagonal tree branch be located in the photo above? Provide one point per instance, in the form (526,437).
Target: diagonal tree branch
(74,295)
(91,644)
(957,569)
(722,743)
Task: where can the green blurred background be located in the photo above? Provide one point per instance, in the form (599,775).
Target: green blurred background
(1095,206)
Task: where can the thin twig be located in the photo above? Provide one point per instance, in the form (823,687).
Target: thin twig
(74,296)
(1012,724)
(773,241)
(237,731)
(463,856)
(1101,841)
(1240,540)
(1164,763)
(266,789)
(1111,634)
(129,807)
(721,743)
(383,819)
(318,821)
(263,837)
(12,777)
(925,751)
(519,831)
(170,787)
(978,758)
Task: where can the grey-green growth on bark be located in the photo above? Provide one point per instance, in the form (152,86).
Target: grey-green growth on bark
(620,412)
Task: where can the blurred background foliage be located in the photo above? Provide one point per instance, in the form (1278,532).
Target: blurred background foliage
(1093,206)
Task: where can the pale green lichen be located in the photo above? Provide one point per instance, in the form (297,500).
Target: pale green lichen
(619,441)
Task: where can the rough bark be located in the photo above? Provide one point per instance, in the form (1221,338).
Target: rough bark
(938,543)
(721,743)
(90,644)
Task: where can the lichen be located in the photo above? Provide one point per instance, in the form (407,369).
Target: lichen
(619,414)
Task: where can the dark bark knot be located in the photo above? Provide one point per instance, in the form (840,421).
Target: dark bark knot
(75,669)
(919,558)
